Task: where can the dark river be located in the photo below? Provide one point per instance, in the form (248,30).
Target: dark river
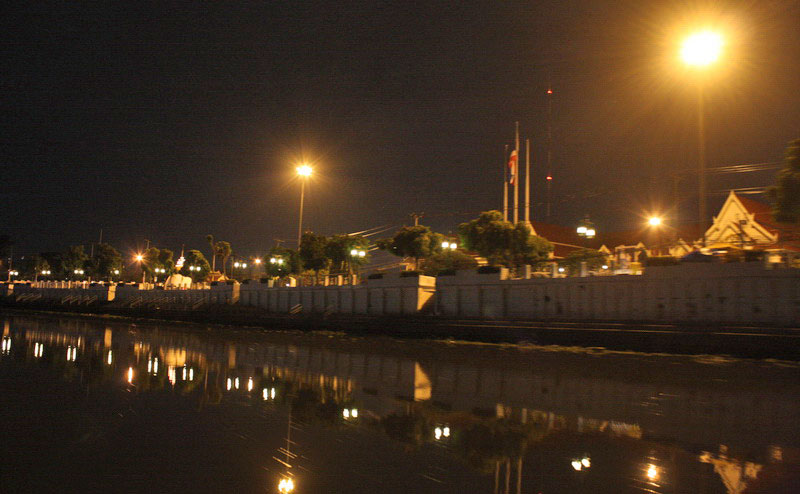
(99,406)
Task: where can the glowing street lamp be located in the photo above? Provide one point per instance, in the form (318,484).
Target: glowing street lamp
(700,50)
(449,245)
(286,485)
(140,259)
(654,221)
(586,229)
(303,171)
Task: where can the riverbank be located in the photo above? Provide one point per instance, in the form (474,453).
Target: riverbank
(737,341)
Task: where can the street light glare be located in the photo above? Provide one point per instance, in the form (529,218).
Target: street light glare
(654,221)
(304,170)
(701,49)
(139,257)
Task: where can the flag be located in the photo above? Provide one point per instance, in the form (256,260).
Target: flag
(512,168)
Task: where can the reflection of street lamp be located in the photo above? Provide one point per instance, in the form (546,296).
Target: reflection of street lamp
(303,171)
(698,51)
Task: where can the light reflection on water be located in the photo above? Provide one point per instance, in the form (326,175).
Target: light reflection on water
(517,420)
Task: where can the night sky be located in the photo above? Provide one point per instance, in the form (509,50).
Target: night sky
(168,121)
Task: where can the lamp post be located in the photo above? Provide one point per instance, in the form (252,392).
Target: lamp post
(698,51)
(655,224)
(303,171)
(140,259)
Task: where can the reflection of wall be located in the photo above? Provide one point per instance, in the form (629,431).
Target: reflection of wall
(574,394)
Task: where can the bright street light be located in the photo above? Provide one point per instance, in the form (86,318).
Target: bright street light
(285,486)
(654,221)
(702,48)
(304,171)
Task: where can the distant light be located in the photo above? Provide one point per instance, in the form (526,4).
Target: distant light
(654,221)
(701,49)
(549,91)
(228,384)
(250,384)
(445,245)
(561,270)
(576,464)
(139,257)
(304,170)
(605,266)
(446,431)
(346,413)
(549,177)
(652,472)
(354,252)
(582,230)
(590,232)
(437,433)
(130,375)
(257,261)
(362,253)
(272,260)
(586,462)
(236,383)
(354,413)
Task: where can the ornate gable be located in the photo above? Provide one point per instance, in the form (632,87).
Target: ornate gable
(736,225)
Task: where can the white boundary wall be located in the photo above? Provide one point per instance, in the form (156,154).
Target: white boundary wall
(390,295)
(739,293)
(699,292)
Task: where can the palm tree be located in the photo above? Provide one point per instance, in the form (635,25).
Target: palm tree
(210,239)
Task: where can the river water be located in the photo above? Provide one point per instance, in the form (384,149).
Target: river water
(92,405)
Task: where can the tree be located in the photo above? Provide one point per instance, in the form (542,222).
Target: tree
(210,240)
(223,250)
(282,262)
(418,242)
(195,259)
(74,259)
(502,242)
(106,260)
(447,260)
(338,250)
(594,259)
(786,193)
(155,258)
(312,252)
(5,247)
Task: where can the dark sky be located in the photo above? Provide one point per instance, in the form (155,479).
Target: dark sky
(168,121)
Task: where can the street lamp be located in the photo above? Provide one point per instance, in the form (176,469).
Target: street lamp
(140,259)
(699,51)
(303,171)
(586,229)
(449,245)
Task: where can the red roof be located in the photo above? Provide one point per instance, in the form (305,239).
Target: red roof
(763,215)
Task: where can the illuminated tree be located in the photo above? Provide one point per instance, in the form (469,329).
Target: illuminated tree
(786,193)
(418,242)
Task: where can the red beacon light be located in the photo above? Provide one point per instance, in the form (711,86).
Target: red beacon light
(549,91)
(549,177)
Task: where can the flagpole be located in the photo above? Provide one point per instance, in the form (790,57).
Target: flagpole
(505,183)
(516,177)
(528,181)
